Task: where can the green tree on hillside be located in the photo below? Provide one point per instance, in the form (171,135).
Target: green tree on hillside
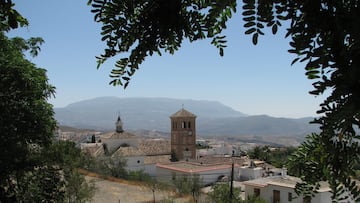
(324,35)
(26,121)
(33,168)
(67,157)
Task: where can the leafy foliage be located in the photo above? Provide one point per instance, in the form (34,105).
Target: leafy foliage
(9,17)
(188,185)
(69,159)
(145,27)
(33,167)
(277,157)
(26,121)
(221,194)
(112,166)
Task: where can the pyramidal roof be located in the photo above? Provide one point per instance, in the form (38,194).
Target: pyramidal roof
(183,113)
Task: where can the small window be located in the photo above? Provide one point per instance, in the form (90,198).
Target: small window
(189,124)
(290,197)
(256,192)
(138,161)
(183,124)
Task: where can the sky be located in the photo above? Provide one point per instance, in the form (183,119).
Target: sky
(251,79)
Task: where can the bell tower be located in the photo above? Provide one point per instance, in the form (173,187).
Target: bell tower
(183,135)
(119,125)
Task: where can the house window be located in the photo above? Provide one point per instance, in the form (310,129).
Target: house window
(307,199)
(276,196)
(290,197)
(256,192)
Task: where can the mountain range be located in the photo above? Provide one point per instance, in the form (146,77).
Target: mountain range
(213,118)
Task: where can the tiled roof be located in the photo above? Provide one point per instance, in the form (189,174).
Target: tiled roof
(183,113)
(146,147)
(219,159)
(93,149)
(115,135)
(284,181)
(189,167)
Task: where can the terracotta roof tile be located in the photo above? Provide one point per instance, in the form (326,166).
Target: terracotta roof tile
(183,113)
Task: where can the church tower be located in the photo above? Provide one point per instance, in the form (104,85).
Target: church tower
(183,135)
(119,125)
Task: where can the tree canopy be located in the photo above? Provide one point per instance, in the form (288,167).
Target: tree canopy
(324,36)
(34,168)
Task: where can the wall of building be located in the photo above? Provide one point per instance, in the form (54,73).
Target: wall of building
(183,137)
(135,163)
(249,191)
(247,173)
(266,193)
(207,177)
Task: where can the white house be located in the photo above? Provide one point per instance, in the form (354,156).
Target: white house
(208,173)
(250,173)
(135,163)
(276,189)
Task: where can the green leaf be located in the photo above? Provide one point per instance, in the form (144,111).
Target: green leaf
(251,18)
(255,38)
(249,24)
(248,13)
(294,61)
(274,29)
(249,31)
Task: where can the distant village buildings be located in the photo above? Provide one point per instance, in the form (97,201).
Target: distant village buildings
(170,158)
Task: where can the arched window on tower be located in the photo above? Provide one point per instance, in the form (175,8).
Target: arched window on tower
(189,124)
(183,125)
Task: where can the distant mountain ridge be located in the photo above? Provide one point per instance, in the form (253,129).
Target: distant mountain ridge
(213,118)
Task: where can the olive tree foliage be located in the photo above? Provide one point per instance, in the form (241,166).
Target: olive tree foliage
(324,36)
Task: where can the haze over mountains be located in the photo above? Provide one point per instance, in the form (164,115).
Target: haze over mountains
(213,118)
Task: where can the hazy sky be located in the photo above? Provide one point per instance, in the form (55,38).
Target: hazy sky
(251,79)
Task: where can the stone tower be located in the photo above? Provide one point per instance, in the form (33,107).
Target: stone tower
(183,135)
(119,125)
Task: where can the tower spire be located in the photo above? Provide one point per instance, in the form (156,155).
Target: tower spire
(119,124)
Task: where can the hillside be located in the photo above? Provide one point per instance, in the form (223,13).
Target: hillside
(213,118)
